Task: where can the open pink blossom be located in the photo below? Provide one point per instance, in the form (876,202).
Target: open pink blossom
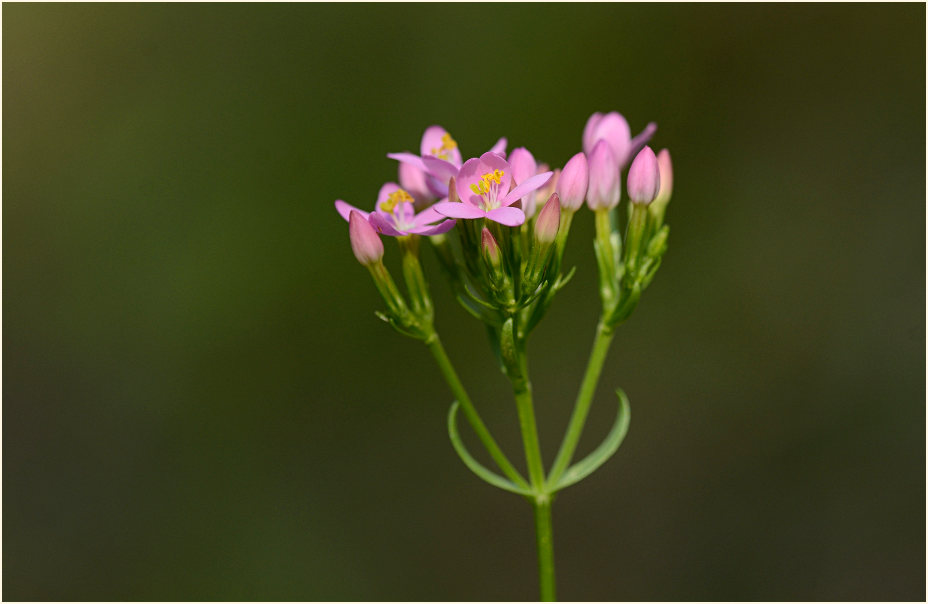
(483,186)
(439,159)
(613,128)
(395,215)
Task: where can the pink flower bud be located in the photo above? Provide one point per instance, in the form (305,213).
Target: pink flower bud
(548,221)
(522,164)
(573,183)
(365,243)
(489,247)
(666,167)
(612,128)
(644,177)
(605,186)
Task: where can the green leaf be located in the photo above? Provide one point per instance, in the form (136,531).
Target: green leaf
(603,452)
(563,280)
(494,479)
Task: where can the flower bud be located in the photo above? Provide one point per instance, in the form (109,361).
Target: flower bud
(612,128)
(548,221)
(644,177)
(522,165)
(489,248)
(605,187)
(573,182)
(365,243)
(666,168)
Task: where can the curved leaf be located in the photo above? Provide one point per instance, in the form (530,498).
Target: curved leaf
(603,452)
(494,479)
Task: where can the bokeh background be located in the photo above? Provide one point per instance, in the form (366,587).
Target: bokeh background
(198,402)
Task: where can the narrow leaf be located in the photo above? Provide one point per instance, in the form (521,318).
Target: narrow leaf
(603,452)
(494,479)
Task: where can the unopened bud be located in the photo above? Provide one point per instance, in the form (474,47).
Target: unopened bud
(574,182)
(365,242)
(548,221)
(644,177)
(605,187)
(489,248)
(666,168)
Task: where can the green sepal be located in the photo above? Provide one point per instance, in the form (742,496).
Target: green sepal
(603,452)
(472,464)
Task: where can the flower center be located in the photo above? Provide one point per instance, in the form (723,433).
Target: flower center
(447,144)
(396,198)
(488,188)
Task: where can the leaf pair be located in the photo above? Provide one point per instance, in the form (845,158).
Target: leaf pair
(572,475)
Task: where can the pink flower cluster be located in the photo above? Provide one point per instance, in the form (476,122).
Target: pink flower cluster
(436,188)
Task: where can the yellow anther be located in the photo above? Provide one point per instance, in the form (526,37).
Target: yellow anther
(480,188)
(397,197)
(447,144)
(483,187)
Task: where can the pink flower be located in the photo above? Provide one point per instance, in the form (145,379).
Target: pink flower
(483,186)
(644,177)
(613,128)
(573,183)
(605,186)
(395,215)
(439,159)
(366,245)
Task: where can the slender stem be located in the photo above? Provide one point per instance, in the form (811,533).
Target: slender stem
(545,535)
(457,388)
(536,468)
(594,368)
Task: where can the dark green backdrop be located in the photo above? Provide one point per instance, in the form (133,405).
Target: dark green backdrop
(198,402)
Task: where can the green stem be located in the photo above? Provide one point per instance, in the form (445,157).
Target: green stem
(457,388)
(594,368)
(545,536)
(536,468)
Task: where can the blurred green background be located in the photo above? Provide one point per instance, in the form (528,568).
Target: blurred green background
(200,404)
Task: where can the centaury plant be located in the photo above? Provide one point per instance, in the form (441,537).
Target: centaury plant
(499,226)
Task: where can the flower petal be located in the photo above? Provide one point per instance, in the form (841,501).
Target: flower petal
(344,209)
(500,147)
(386,190)
(523,164)
(427,216)
(458,209)
(409,158)
(381,225)
(589,130)
(467,176)
(432,145)
(442,170)
(434,229)
(640,141)
(507,216)
(526,187)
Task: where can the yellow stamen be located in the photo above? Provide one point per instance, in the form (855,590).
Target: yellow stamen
(397,197)
(447,144)
(483,187)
